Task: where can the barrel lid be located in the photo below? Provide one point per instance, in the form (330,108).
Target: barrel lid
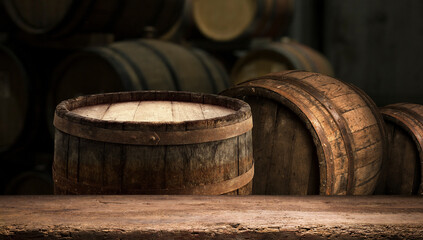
(223,20)
(153,117)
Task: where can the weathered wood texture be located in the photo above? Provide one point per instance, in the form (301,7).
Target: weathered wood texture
(222,20)
(14,98)
(136,65)
(200,149)
(277,57)
(402,172)
(123,18)
(210,217)
(377,45)
(294,109)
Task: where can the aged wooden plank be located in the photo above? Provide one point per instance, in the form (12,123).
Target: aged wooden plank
(206,217)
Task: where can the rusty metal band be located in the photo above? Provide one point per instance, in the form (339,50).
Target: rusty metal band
(153,138)
(405,116)
(340,122)
(326,147)
(218,188)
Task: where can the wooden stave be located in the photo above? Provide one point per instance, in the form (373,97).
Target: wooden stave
(266,22)
(293,55)
(71,170)
(244,153)
(403,115)
(95,16)
(326,186)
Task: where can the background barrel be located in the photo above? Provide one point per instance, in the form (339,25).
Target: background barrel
(279,56)
(6,24)
(402,171)
(222,20)
(33,182)
(14,96)
(312,130)
(153,142)
(123,18)
(136,65)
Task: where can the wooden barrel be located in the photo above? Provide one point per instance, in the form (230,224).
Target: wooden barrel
(135,65)
(30,183)
(402,171)
(312,134)
(222,20)
(124,18)
(153,142)
(277,57)
(14,98)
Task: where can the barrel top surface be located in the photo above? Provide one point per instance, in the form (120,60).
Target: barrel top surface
(153,111)
(153,117)
(224,20)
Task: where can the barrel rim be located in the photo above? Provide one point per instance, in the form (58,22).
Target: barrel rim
(153,133)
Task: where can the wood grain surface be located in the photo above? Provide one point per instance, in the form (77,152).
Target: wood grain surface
(153,111)
(206,217)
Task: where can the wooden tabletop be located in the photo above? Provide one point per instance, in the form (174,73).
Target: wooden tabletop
(203,217)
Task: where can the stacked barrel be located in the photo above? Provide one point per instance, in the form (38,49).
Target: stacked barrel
(139,116)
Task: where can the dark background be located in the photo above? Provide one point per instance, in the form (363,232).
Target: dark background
(375,44)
